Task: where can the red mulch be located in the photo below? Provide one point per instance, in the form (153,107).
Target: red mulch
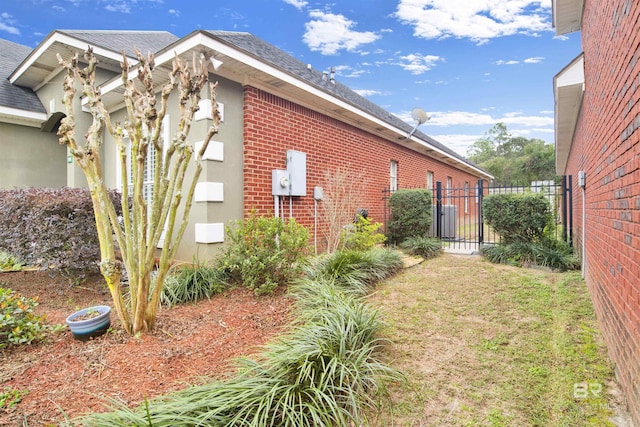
(66,376)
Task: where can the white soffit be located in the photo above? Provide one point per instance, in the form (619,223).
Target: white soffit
(568,90)
(42,65)
(567,16)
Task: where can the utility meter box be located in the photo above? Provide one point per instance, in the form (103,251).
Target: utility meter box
(297,168)
(280,183)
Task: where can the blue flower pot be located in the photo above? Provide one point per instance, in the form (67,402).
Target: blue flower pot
(83,329)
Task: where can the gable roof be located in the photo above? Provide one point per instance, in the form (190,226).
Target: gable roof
(41,65)
(280,59)
(116,40)
(12,96)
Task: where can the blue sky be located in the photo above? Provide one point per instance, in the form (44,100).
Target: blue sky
(468,63)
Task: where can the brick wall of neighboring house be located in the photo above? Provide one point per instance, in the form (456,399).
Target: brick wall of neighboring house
(274,125)
(606,146)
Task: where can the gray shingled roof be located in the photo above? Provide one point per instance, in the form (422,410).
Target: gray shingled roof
(117,40)
(11,96)
(280,59)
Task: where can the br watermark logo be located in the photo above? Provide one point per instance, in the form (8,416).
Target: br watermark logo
(593,394)
(587,390)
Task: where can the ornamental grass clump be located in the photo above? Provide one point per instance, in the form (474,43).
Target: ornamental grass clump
(326,371)
(192,283)
(355,271)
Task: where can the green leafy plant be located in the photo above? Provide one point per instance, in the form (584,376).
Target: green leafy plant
(11,397)
(9,262)
(191,283)
(362,235)
(411,214)
(264,252)
(19,324)
(518,217)
(423,246)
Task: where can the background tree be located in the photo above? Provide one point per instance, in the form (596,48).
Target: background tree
(138,232)
(513,159)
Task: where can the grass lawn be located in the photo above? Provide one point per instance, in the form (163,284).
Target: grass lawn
(491,345)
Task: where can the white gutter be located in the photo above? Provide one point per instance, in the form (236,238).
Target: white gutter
(23,117)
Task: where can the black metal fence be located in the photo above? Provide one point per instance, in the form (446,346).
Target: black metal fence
(458,219)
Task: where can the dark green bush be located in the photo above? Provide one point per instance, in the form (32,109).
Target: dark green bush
(51,228)
(410,214)
(518,217)
(423,246)
(264,252)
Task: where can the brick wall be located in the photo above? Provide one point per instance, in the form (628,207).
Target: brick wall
(274,125)
(606,146)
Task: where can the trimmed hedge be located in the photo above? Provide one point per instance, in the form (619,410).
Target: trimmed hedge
(410,214)
(51,227)
(518,217)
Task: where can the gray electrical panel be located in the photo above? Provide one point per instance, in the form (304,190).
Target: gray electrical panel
(280,183)
(297,168)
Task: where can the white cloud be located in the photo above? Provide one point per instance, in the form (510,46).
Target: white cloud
(298,4)
(534,60)
(7,24)
(330,33)
(418,64)
(503,62)
(478,20)
(121,6)
(459,143)
(367,92)
(465,118)
(174,12)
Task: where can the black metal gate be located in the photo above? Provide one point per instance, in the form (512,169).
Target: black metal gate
(457,212)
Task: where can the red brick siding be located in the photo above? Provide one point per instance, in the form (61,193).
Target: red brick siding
(273,125)
(606,146)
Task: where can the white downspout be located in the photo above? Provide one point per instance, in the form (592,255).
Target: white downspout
(584,232)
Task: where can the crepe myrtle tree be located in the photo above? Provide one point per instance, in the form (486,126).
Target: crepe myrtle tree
(139,230)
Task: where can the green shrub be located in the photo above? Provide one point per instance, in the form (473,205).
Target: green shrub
(10,263)
(518,217)
(410,214)
(264,252)
(191,283)
(18,322)
(362,236)
(423,246)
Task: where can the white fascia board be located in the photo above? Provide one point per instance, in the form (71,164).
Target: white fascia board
(23,117)
(198,39)
(69,41)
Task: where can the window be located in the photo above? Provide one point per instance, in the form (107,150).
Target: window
(449,189)
(150,165)
(393,176)
(430,180)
